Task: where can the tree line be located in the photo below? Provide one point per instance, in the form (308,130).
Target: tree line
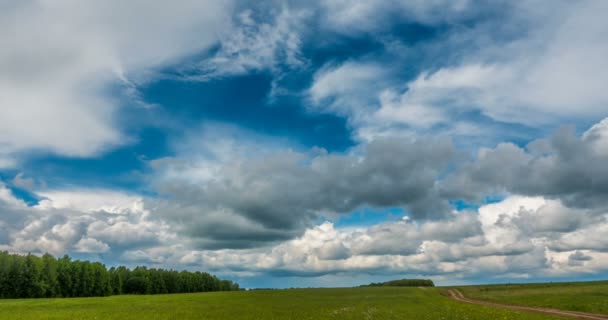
(31,276)
(403,283)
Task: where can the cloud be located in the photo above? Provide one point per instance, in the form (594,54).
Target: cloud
(375,106)
(126,233)
(275,195)
(234,196)
(404,238)
(21,181)
(90,201)
(88,245)
(597,137)
(90,222)
(588,238)
(349,16)
(516,237)
(345,89)
(253,43)
(578,258)
(566,166)
(527,80)
(541,71)
(363,92)
(467,245)
(8,198)
(61,58)
(398,109)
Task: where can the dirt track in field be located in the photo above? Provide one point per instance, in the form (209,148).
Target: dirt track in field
(458,296)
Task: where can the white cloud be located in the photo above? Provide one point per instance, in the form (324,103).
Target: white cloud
(597,136)
(516,237)
(366,94)
(500,240)
(7,197)
(157,255)
(7,162)
(345,89)
(60,57)
(551,71)
(396,109)
(89,245)
(250,45)
(350,16)
(555,72)
(80,221)
(358,91)
(90,201)
(21,181)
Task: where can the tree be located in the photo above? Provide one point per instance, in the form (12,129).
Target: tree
(31,276)
(49,276)
(136,285)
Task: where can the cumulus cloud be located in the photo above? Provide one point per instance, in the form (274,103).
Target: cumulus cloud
(269,196)
(488,243)
(274,196)
(90,201)
(89,245)
(79,221)
(516,237)
(578,258)
(565,166)
(404,238)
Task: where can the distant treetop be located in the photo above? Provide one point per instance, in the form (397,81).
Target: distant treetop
(403,283)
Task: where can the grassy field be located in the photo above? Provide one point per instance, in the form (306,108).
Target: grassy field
(356,303)
(575,296)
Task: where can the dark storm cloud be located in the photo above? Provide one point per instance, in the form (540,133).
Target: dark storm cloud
(578,258)
(276,196)
(566,166)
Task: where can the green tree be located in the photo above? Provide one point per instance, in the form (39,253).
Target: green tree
(49,276)
(31,276)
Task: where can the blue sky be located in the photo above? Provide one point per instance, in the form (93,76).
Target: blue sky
(326,143)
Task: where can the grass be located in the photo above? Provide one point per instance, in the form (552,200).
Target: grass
(297,304)
(575,296)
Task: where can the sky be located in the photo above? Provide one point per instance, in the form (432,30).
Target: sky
(309,143)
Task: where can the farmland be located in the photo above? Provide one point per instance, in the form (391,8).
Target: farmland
(574,296)
(341,303)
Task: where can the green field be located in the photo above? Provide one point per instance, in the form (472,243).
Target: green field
(575,296)
(355,303)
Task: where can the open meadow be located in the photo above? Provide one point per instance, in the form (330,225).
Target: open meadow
(574,296)
(343,303)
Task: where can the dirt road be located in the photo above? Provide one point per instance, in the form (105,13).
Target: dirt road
(457,295)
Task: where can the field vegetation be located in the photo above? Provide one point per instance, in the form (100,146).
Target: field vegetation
(345,303)
(574,296)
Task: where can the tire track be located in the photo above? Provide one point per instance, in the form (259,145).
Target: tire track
(458,296)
